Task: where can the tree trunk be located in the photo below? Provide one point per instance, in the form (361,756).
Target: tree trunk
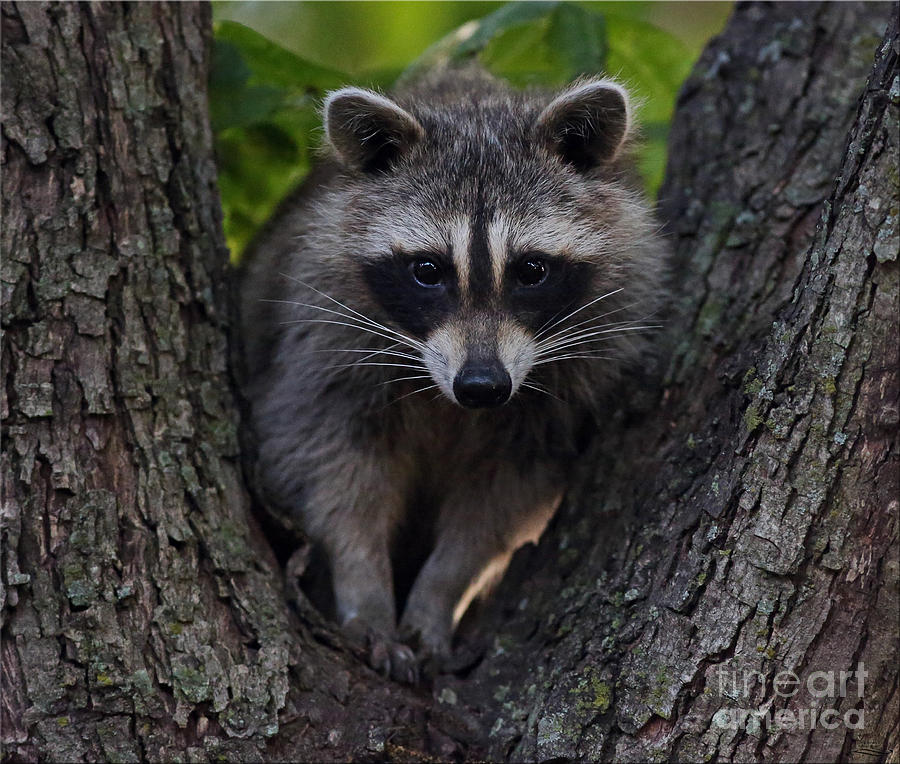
(744,522)
(739,520)
(143,614)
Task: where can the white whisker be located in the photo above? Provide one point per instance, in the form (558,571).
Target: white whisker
(573,332)
(553,359)
(562,332)
(360,324)
(329,297)
(540,389)
(377,363)
(362,316)
(363,321)
(587,335)
(414,392)
(578,310)
(371,351)
(403,379)
(342,323)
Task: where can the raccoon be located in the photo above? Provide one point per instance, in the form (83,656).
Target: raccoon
(429,325)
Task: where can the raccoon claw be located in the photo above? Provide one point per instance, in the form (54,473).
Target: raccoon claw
(393,659)
(432,654)
(387,656)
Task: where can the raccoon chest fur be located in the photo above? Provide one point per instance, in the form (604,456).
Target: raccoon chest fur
(431,325)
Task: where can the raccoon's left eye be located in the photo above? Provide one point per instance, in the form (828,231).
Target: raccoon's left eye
(426,272)
(531,271)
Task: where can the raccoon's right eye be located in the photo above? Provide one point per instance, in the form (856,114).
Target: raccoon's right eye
(426,272)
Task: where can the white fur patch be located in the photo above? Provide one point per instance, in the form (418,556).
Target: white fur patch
(498,236)
(460,239)
(515,349)
(444,356)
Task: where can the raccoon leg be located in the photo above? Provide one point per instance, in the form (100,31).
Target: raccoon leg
(363,589)
(480,525)
(353,514)
(365,601)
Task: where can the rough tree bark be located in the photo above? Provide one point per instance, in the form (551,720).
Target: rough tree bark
(745,522)
(741,515)
(143,614)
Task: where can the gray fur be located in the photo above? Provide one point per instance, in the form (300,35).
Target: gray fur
(351,449)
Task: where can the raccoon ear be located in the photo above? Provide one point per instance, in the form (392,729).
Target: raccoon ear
(587,124)
(366,130)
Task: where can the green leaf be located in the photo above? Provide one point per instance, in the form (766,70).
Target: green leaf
(257,167)
(551,50)
(510,15)
(526,43)
(227,69)
(272,65)
(263,107)
(522,56)
(652,62)
(247,106)
(579,37)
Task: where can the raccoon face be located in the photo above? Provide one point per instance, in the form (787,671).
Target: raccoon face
(475,226)
(478,330)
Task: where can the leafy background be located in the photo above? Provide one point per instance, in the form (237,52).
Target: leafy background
(273,61)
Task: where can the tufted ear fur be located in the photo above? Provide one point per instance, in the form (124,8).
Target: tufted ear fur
(366,130)
(587,124)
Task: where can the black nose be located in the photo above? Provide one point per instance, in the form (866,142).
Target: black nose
(482,386)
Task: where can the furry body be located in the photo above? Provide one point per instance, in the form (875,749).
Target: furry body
(486,189)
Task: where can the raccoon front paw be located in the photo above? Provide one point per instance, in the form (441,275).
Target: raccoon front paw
(432,647)
(383,653)
(393,659)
